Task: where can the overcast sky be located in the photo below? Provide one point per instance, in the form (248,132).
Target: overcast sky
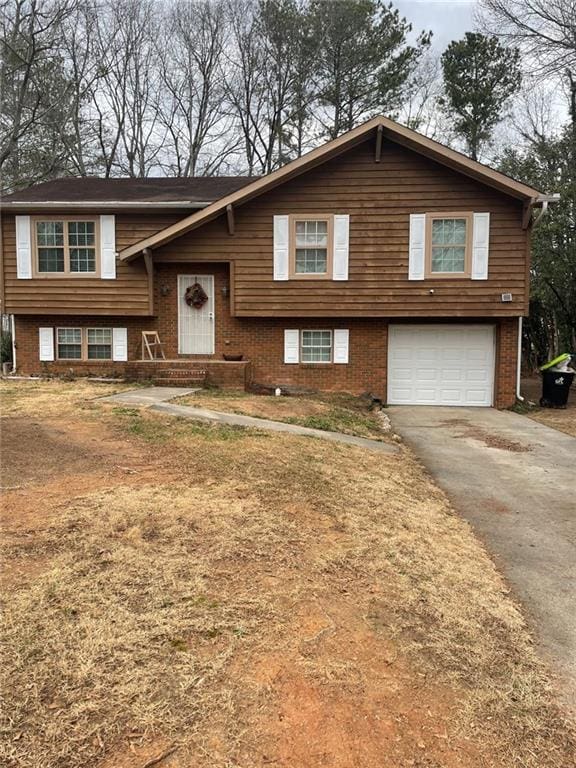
(448,19)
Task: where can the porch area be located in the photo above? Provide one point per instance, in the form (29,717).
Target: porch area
(225,374)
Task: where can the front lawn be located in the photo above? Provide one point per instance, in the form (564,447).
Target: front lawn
(216,597)
(330,412)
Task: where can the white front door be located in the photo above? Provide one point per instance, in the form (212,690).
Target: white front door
(440,364)
(196,326)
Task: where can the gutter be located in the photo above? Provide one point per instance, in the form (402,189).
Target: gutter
(106,204)
(545,200)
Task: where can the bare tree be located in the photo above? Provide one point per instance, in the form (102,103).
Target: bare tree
(79,36)
(270,88)
(544,29)
(245,85)
(31,70)
(191,101)
(136,22)
(421,104)
(123,98)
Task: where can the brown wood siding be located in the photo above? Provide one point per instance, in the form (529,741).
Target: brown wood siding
(128,294)
(379,198)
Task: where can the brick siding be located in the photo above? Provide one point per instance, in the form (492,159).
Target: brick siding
(506,362)
(259,340)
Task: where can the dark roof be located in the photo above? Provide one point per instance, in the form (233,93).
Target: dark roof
(199,189)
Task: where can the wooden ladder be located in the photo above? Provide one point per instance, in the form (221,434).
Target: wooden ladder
(151,344)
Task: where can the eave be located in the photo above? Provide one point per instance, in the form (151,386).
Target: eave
(103,204)
(381,128)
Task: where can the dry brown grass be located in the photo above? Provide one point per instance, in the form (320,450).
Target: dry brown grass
(160,601)
(52,397)
(337,412)
(109,640)
(563,419)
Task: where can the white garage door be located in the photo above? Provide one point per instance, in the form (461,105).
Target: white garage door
(440,364)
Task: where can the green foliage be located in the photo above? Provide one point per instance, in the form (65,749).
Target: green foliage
(549,164)
(480,75)
(290,50)
(5,347)
(364,61)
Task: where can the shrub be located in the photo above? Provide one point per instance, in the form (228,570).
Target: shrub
(5,348)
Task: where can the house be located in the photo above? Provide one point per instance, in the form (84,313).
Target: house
(381,261)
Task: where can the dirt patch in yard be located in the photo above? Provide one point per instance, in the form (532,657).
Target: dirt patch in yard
(489,439)
(51,456)
(257,600)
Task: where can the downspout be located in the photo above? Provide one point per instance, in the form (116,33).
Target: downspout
(3,297)
(519,361)
(544,199)
(541,212)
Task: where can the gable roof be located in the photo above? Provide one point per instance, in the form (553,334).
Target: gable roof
(390,129)
(194,192)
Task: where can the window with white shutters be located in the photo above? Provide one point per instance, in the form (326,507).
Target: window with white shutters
(65,247)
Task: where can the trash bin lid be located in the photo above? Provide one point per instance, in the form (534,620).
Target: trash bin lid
(552,363)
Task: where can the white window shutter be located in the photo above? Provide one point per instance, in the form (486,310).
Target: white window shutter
(46,344)
(291,346)
(341,247)
(480,246)
(119,344)
(281,247)
(417,246)
(23,248)
(341,336)
(108,247)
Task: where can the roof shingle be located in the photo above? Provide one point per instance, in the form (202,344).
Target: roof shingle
(198,189)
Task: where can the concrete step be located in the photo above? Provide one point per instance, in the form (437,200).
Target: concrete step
(180,372)
(177,381)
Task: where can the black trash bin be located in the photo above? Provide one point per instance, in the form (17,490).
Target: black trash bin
(555,388)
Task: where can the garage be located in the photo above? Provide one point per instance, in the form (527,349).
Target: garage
(441,365)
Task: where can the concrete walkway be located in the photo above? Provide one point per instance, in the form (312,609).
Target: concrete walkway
(187,412)
(156,397)
(149,395)
(514,479)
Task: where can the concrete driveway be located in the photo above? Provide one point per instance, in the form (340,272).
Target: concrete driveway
(514,480)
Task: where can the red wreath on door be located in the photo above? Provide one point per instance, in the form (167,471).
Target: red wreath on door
(195,296)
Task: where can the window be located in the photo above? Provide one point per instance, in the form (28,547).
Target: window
(311,240)
(69,343)
(84,343)
(448,244)
(82,245)
(50,242)
(99,343)
(66,247)
(316,347)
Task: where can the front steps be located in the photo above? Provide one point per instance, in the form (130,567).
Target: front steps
(180,377)
(192,373)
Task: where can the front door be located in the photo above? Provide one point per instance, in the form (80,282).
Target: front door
(196,324)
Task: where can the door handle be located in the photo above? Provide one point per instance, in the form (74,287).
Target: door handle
(211,315)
